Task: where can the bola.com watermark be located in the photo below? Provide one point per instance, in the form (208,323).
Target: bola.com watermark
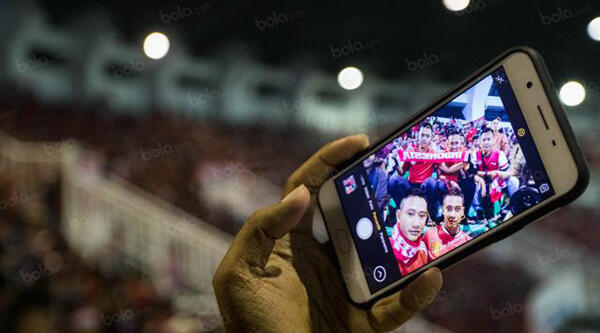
(34,63)
(130,68)
(53,148)
(159,150)
(164,149)
(85,218)
(558,255)
(205,96)
(346,125)
(211,324)
(123,315)
(561,14)
(29,277)
(351,47)
(476,6)
(184,224)
(230,170)
(423,300)
(428,60)
(592,86)
(298,104)
(18,198)
(179,13)
(277,18)
(509,310)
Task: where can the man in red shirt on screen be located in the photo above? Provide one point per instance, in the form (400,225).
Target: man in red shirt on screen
(490,162)
(448,235)
(419,174)
(450,171)
(492,165)
(455,174)
(500,139)
(406,240)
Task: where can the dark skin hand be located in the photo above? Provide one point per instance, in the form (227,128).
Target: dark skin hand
(276,277)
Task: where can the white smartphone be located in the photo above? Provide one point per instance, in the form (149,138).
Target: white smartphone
(492,155)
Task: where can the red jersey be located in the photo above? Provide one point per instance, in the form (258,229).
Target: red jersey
(496,160)
(451,176)
(419,171)
(439,241)
(410,255)
(470,134)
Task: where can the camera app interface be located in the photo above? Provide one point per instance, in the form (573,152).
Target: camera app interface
(464,170)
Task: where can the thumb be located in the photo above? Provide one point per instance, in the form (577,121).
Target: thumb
(255,241)
(396,309)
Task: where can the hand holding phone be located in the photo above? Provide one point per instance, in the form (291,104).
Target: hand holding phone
(276,277)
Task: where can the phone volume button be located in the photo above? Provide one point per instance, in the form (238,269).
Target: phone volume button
(342,240)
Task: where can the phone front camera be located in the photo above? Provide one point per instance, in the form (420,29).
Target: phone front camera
(529,84)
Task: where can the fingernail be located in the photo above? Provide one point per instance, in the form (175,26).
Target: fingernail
(363,137)
(360,137)
(298,191)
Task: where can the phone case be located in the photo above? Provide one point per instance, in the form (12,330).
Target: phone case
(582,182)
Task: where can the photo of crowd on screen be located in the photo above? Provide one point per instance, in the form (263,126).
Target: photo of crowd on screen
(450,178)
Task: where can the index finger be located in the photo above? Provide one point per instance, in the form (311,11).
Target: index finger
(315,171)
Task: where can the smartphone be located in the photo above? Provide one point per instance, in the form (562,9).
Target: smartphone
(491,156)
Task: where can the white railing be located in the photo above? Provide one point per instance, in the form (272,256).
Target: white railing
(109,221)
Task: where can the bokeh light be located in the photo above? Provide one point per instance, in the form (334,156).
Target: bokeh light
(156,45)
(456,5)
(593,29)
(350,78)
(572,93)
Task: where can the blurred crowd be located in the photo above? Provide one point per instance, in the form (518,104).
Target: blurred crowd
(46,287)
(166,156)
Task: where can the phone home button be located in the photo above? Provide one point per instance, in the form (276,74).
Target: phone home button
(343,241)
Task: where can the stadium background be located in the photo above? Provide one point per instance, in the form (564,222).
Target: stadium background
(124,177)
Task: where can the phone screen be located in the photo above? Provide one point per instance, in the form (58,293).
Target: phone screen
(464,170)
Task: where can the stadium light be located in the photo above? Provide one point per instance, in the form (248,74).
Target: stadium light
(350,78)
(456,5)
(156,45)
(593,29)
(572,93)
